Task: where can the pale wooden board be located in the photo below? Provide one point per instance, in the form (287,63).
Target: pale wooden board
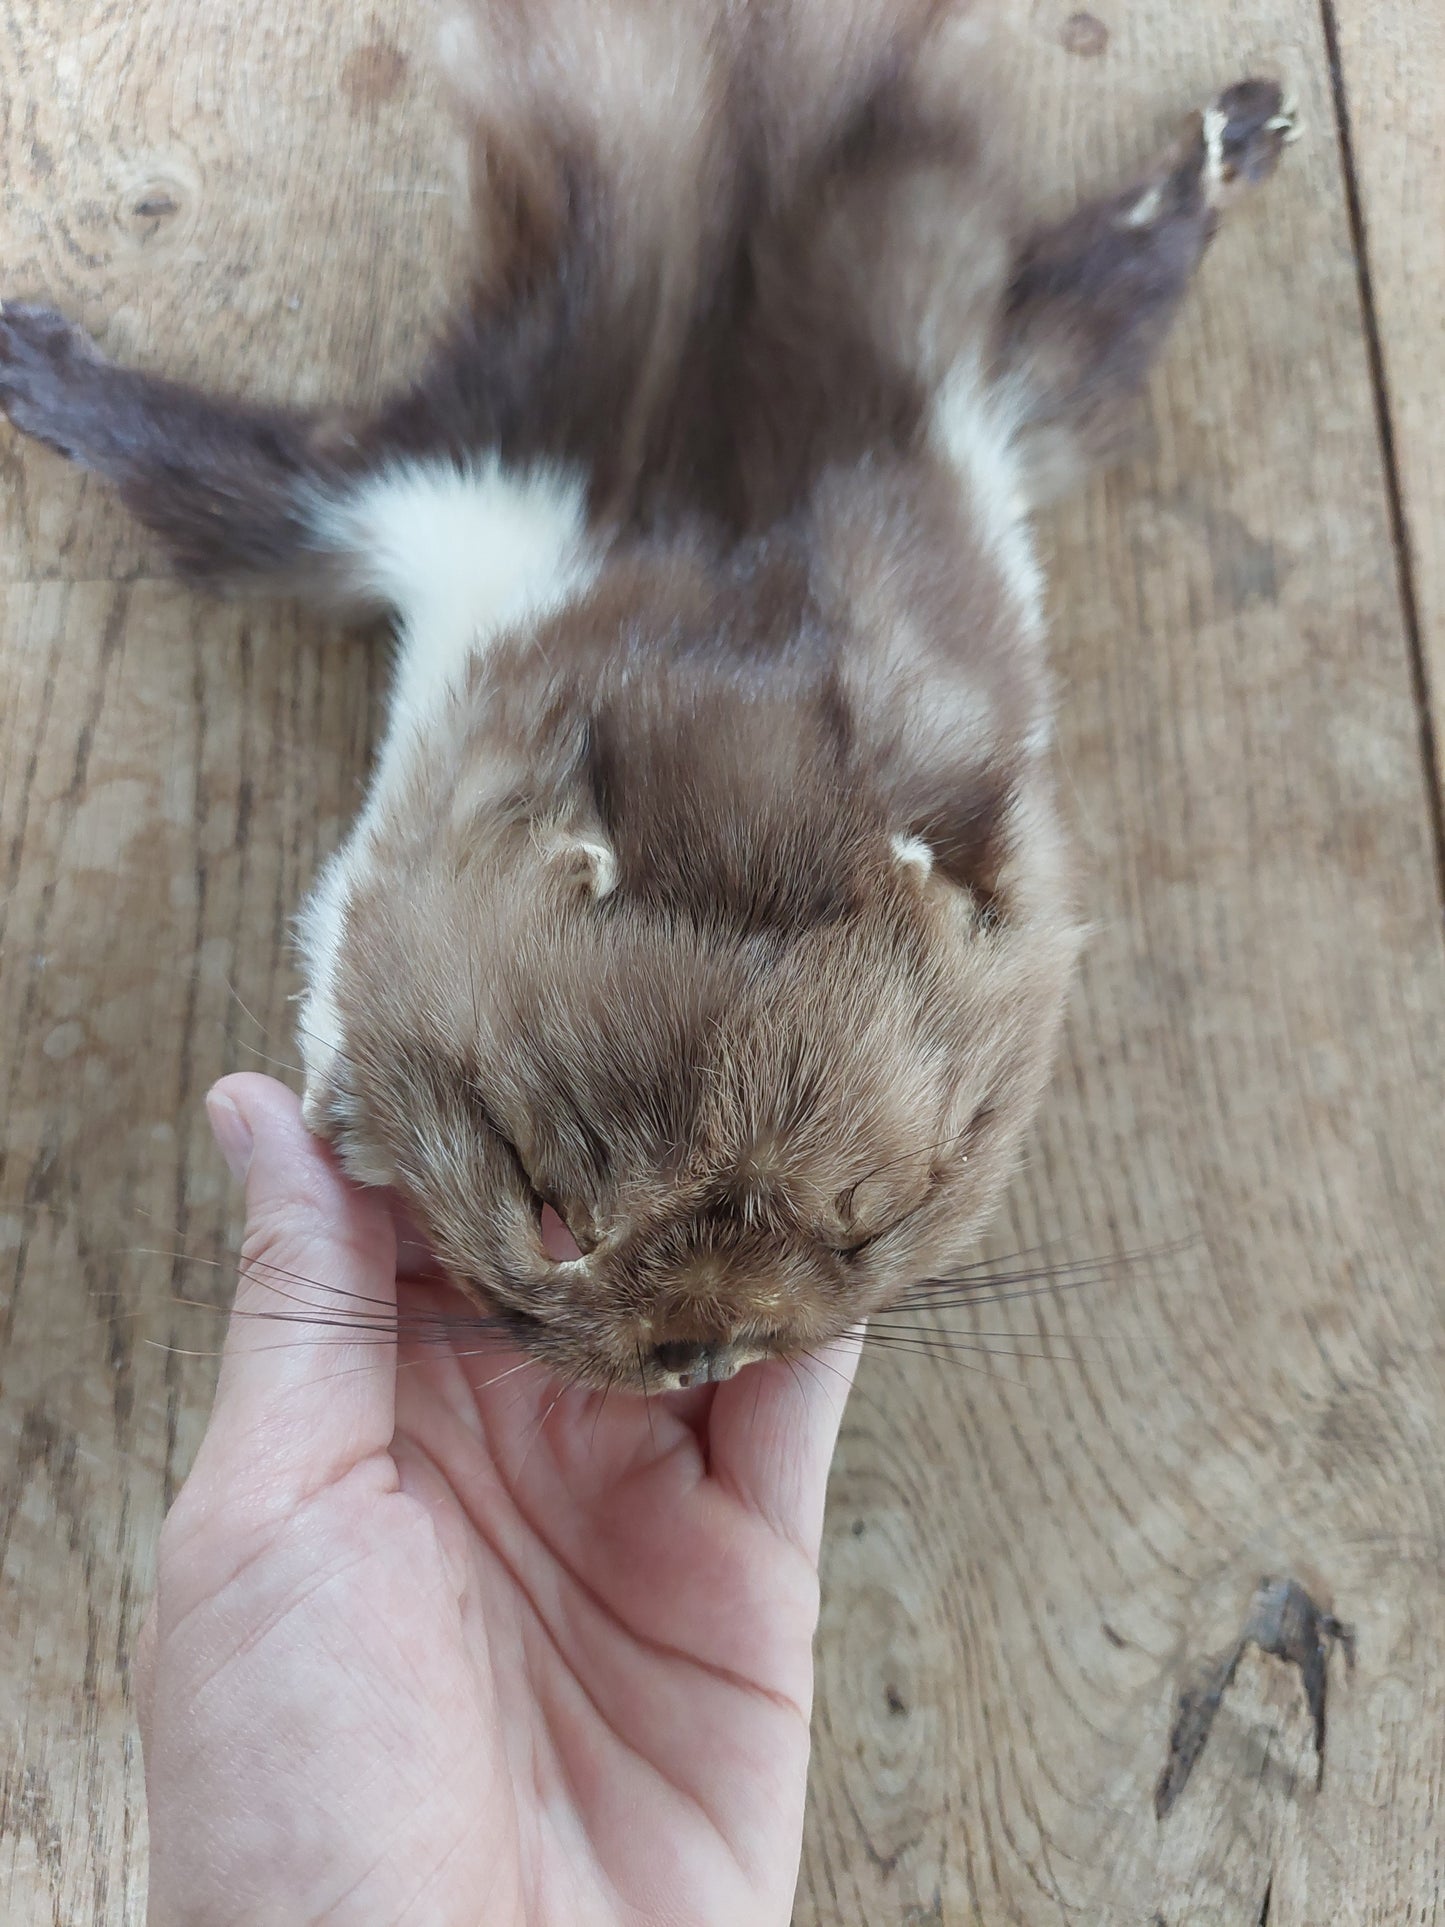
(1017,1579)
(171,775)
(263,197)
(1392,70)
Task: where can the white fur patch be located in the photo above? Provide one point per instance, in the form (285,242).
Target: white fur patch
(971,426)
(1146,207)
(603,865)
(913,853)
(1216,121)
(319,930)
(465,555)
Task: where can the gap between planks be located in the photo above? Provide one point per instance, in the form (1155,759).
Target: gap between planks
(1389,457)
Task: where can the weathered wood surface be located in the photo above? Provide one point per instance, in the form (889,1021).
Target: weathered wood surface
(1391,81)
(1020,1578)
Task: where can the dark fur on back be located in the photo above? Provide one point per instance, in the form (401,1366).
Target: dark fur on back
(700,229)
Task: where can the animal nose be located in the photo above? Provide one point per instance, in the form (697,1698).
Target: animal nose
(691,1362)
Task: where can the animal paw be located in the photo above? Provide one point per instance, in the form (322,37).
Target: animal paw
(1223,151)
(1244,131)
(46,365)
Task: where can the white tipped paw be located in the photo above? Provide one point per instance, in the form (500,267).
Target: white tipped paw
(1244,131)
(1286,123)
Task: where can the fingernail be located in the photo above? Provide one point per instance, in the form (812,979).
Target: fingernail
(231,1132)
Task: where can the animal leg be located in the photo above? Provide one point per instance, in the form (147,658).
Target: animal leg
(224,485)
(1091,298)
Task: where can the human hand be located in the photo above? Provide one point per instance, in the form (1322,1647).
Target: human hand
(435,1642)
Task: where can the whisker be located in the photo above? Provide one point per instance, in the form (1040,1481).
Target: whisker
(971,1280)
(277,1063)
(389,1317)
(804,1364)
(487,1383)
(601,1408)
(324,1315)
(971,1302)
(826,1363)
(984,1295)
(1143,1252)
(963,1365)
(299,1028)
(404,1364)
(541,1427)
(424,1327)
(1004,1337)
(855,1390)
(793,1369)
(280,1063)
(182,1351)
(885,1320)
(230,986)
(316,1314)
(378,1334)
(255,1265)
(999,1258)
(175,1351)
(946,1347)
(646,1396)
(914,1151)
(331,1048)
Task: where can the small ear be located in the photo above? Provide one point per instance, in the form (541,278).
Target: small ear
(967,826)
(972,900)
(961,843)
(913,854)
(589,860)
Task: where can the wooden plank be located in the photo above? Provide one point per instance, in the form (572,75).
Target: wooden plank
(172,773)
(1392,95)
(259,196)
(1018,1580)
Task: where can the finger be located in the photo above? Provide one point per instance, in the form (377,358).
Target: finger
(307,1384)
(772,1432)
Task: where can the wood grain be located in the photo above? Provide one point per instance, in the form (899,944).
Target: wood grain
(1020,1577)
(1391,106)
(172,772)
(1020,1581)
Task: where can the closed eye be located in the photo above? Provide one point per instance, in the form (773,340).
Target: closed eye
(860,1245)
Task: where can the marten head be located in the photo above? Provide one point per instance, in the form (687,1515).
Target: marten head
(697,979)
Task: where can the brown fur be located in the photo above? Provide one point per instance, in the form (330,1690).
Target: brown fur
(769,1073)
(769,1078)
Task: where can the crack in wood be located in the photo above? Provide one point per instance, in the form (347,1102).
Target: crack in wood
(1285,1623)
(1389,455)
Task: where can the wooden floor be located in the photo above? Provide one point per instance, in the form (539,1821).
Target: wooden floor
(1030,1557)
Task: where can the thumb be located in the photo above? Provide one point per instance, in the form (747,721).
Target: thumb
(307,1384)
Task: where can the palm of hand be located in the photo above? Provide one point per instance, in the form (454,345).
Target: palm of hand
(435,1644)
